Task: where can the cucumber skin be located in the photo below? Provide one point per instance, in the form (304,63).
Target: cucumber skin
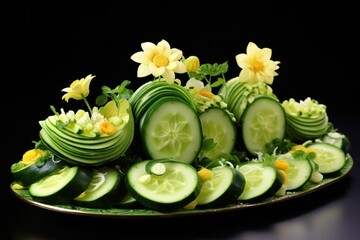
(231,195)
(74,188)
(110,199)
(34,173)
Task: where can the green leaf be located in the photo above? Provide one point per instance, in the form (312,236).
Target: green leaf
(208,144)
(101,100)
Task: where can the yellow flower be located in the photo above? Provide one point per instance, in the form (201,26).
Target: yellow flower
(202,95)
(30,156)
(79,89)
(302,148)
(107,128)
(159,60)
(281,164)
(205,174)
(256,65)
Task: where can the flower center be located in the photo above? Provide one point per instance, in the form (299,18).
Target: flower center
(257,66)
(160,60)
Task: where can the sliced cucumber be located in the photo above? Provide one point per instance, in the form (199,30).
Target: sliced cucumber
(171,128)
(261,181)
(107,188)
(217,125)
(171,191)
(29,174)
(225,186)
(306,119)
(150,92)
(86,150)
(329,157)
(238,95)
(62,186)
(263,121)
(156,167)
(298,173)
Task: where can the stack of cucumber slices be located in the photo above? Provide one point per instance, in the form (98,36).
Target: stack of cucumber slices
(238,95)
(167,155)
(70,144)
(306,120)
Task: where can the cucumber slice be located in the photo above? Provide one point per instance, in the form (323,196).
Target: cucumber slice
(29,174)
(298,173)
(107,188)
(156,167)
(170,128)
(301,129)
(261,181)
(222,189)
(217,125)
(62,186)
(263,121)
(329,158)
(239,94)
(177,187)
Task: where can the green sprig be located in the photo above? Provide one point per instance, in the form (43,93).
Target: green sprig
(207,71)
(115,94)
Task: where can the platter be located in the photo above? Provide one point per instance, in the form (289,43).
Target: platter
(308,188)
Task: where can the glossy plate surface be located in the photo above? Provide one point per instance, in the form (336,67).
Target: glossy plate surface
(308,188)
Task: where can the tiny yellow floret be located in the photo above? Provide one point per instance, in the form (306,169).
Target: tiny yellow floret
(281,164)
(107,128)
(32,155)
(302,148)
(205,93)
(205,174)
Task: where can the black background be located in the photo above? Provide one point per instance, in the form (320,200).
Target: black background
(47,46)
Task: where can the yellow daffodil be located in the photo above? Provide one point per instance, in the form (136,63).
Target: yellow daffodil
(256,65)
(78,90)
(159,60)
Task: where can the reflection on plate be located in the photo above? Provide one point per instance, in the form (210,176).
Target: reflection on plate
(24,195)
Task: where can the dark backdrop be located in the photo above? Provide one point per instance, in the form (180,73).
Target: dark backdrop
(47,46)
